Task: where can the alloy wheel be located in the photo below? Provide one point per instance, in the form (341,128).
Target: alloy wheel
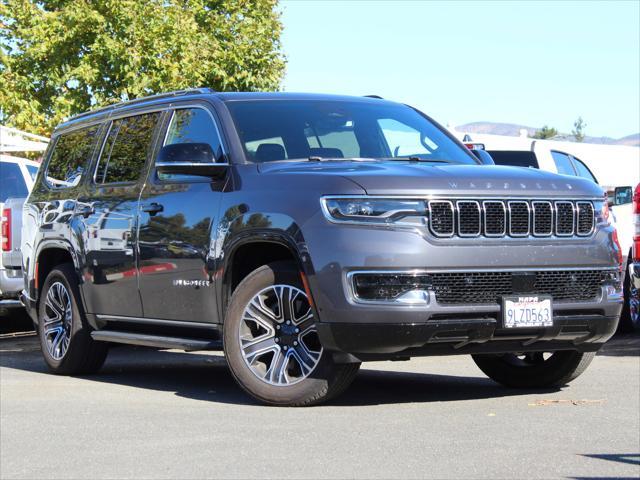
(278,337)
(57,320)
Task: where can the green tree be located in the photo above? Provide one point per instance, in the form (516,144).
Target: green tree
(578,129)
(546,132)
(62,57)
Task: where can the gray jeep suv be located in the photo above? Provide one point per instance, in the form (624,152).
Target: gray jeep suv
(305,234)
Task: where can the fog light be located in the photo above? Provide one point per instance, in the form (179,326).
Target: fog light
(408,289)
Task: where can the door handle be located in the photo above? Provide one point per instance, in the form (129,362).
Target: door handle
(152,208)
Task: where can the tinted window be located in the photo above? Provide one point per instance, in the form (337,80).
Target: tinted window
(11,181)
(331,129)
(192,125)
(126,148)
(70,155)
(583,171)
(563,163)
(33,171)
(514,158)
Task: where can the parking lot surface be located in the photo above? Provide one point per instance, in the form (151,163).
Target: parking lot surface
(169,414)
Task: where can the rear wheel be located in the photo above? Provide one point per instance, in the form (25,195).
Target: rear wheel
(271,342)
(65,336)
(534,369)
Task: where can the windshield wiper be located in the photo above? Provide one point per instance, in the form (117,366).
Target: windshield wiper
(414,159)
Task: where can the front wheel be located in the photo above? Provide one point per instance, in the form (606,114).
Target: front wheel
(271,342)
(534,369)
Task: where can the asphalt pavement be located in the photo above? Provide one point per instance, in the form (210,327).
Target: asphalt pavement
(170,414)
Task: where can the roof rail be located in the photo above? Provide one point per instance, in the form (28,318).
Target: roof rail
(374,96)
(135,101)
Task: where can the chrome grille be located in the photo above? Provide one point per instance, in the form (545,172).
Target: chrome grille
(519,219)
(495,218)
(542,219)
(488,287)
(564,218)
(515,218)
(585,218)
(469,224)
(441,218)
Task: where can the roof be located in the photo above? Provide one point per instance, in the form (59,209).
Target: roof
(207,92)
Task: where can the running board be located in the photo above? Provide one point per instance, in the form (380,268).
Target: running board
(158,341)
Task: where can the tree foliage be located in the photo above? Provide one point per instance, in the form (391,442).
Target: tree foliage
(545,132)
(578,129)
(62,57)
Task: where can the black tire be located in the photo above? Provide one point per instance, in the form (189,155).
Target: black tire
(626,324)
(534,371)
(83,355)
(325,381)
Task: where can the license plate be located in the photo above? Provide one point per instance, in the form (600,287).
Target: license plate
(527,311)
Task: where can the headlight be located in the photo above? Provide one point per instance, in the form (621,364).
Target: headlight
(374,210)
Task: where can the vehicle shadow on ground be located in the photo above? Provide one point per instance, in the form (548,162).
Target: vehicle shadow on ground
(206,377)
(622,345)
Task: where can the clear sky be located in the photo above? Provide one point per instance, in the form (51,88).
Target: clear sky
(530,63)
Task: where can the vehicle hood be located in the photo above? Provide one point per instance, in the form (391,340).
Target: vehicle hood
(413,178)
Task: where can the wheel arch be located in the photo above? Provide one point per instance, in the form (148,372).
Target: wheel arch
(249,253)
(49,255)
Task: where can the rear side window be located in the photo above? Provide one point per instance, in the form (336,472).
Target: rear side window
(583,170)
(11,181)
(70,155)
(563,163)
(514,158)
(126,148)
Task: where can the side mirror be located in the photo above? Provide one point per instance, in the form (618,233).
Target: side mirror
(484,157)
(622,195)
(188,159)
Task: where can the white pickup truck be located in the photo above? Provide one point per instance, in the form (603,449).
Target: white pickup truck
(16,180)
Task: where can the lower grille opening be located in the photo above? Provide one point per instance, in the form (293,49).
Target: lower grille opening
(457,288)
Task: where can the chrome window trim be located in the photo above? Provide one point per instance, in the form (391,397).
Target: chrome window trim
(573,218)
(533,210)
(519,235)
(593,218)
(459,218)
(504,218)
(453,219)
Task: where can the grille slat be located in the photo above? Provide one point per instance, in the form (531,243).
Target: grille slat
(495,219)
(514,218)
(585,218)
(488,287)
(564,218)
(542,219)
(469,224)
(441,218)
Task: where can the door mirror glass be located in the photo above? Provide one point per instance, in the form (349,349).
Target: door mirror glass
(622,195)
(188,159)
(186,153)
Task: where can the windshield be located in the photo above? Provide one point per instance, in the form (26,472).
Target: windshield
(274,130)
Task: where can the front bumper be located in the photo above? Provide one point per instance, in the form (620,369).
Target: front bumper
(384,332)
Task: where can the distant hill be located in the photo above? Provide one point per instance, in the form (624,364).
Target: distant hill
(513,130)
